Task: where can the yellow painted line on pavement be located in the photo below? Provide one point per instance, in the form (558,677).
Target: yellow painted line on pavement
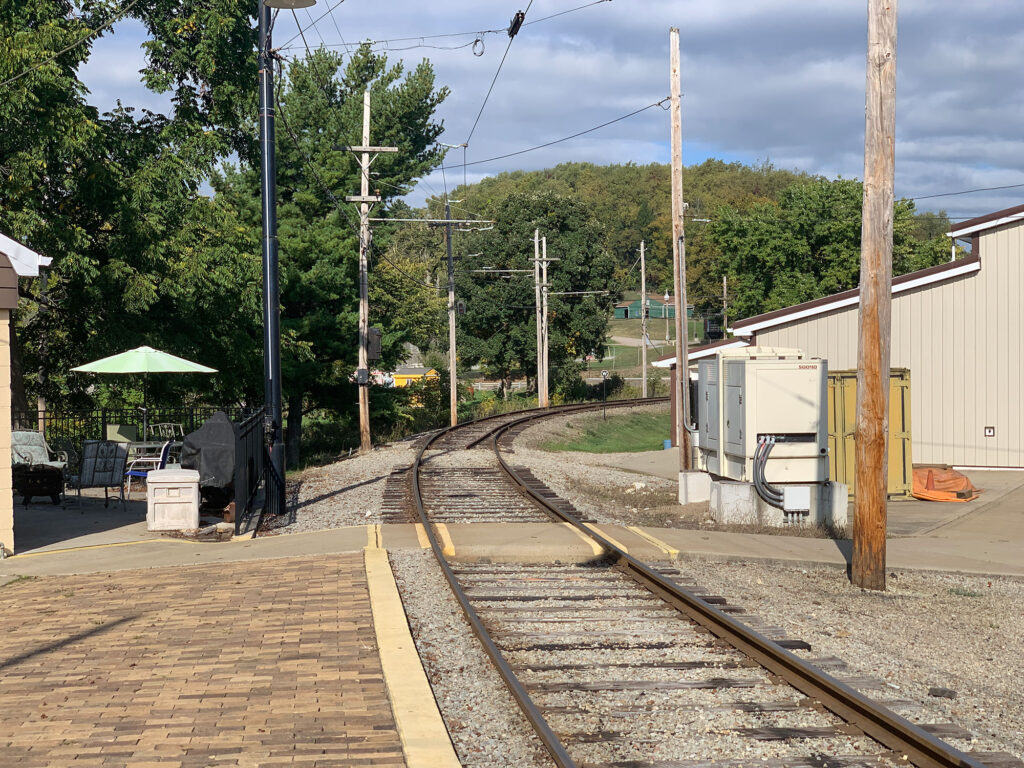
(425,740)
(373,536)
(668,549)
(101,546)
(597,548)
(448,547)
(421,536)
(599,532)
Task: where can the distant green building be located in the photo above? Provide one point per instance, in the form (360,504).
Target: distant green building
(656,308)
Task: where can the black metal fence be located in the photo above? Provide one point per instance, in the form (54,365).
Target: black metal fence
(250,463)
(259,488)
(91,424)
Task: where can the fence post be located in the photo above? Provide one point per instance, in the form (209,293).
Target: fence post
(103,424)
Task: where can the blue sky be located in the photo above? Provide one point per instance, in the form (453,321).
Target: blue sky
(762,80)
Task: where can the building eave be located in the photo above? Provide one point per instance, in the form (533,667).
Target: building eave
(850,298)
(25,261)
(988,221)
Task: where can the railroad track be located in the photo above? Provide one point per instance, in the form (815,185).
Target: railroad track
(461,478)
(618,663)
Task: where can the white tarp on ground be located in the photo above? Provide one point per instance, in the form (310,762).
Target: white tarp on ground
(25,261)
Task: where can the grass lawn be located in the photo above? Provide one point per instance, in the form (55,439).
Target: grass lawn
(620,433)
(618,357)
(630,329)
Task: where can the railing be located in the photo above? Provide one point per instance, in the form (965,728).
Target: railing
(254,471)
(75,426)
(250,467)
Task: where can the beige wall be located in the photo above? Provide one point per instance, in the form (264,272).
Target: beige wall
(961,340)
(6,486)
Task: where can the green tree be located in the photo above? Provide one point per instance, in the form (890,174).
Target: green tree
(498,329)
(319,108)
(110,196)
(806,245)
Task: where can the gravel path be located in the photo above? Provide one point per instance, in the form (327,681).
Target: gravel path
(486,726)
(592,481)
(348,492)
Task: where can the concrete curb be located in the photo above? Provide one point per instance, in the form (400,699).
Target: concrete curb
(425,739)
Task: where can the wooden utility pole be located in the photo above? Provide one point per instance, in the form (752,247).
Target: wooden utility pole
(539,316)
(679,261)
(643,322)
(364,198)
(543,399)
(875,323)
(453,381)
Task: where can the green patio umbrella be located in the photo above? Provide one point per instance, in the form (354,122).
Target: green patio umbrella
(144,360)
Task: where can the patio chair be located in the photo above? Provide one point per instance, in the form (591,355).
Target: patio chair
(30,447)
(142,466)
(37,469)
(167,431)
(103,463)
(122,433)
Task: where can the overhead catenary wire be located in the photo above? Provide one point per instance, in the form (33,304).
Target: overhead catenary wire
(321,17)
(511,38)
(105,25)
(478,34)
(562,13)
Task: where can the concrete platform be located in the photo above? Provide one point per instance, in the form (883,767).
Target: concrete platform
(250,663)
(183,637)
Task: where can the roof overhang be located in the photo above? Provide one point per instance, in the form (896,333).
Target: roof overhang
(849,298)
(707,350)
(988,221)
(958,233)
(25,261)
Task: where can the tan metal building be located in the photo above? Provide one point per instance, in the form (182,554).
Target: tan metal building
(957,327)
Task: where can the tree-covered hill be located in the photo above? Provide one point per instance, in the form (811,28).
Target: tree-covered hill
(779,236)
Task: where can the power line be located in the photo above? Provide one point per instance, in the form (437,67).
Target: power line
(966,191)
(562,13)
(512,30)
(564,138)
(109,22)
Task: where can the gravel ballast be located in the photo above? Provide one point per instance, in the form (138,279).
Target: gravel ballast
(347,492)
(486,726)
(927,630)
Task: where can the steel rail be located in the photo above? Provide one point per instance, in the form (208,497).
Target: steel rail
(548,738)
(539,413)
(907,740)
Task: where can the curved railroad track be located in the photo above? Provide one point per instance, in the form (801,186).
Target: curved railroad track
(617,663)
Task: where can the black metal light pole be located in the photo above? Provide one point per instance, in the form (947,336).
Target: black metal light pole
(271,296)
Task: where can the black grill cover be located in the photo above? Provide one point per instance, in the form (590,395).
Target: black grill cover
(211,451)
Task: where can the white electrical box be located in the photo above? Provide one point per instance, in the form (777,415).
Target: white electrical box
(746,394)
(172,500)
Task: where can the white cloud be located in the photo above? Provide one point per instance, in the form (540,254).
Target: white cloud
(763,79)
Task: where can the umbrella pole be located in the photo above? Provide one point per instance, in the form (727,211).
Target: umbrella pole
(145,406)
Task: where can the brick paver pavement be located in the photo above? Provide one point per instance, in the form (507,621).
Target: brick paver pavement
(263,663)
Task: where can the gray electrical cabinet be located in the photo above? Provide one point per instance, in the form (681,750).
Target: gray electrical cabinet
(764,391)
(708,412)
